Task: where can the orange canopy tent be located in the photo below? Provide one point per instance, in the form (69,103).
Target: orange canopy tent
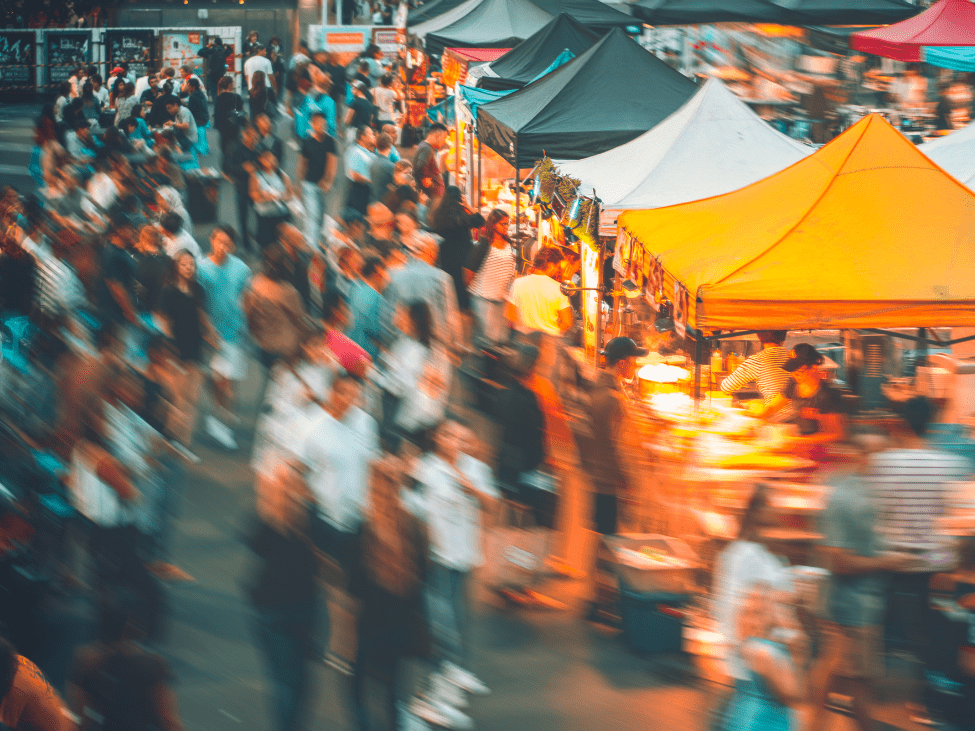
(867,232)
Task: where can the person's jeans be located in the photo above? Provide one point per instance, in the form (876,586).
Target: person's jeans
(490,318)
(284,632)
(243,213)
(449,608)
(314,200)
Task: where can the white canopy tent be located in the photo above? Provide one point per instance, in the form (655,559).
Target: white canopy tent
(955,154)
(712,145)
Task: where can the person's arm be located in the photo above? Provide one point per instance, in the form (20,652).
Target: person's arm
(780,675)
(830,429)
(289,190)
(167,709)
(331,166)
(349,114)
(744,374)
(772,407)
(846,563)
(565,319)
(258,195)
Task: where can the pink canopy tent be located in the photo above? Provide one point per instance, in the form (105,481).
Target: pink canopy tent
(946,23)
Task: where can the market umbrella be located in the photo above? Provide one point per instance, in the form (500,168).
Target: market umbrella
(712,145)
(491,24)
(603,98)
(533,56)
(946,23)
(866,232)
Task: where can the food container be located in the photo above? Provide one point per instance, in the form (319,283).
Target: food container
(650,563)
(810,584)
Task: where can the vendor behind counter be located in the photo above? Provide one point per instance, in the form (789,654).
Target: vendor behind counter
(818,406)
(765,368)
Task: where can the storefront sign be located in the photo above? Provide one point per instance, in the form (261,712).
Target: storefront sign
(65,52)
(180,49)
(682,305)
(133,47)
(591,301)
(16,61)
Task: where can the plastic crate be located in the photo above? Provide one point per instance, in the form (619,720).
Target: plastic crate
(652,622)
(654,579)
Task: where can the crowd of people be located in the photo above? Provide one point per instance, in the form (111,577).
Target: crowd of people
(356,304)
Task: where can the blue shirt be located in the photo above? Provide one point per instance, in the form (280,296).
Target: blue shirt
(359,160)
(370,316)
(225,285)
(309,105)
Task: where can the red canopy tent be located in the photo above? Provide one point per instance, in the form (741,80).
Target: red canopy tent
(947,23)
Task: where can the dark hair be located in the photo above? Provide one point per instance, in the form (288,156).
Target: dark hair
(361,132)
(171,222)
(450,212)
(274,259)
(8,667)
(437,127)
(87,91)
(363,66)
(494,218)
(225,82)
(331,302)
(419,313)
(136,111)
(384,142)
(772,337)
(386,80)
(229,231)
(372,265)
(758,501)
(317,113)
(195,82)
(917,412)
(403,194)
(258,83)
(546,257)
(64,88)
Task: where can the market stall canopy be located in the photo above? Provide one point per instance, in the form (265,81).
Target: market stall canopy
(523,63)
(444,20)
(946,23)
(956,58)
(692,12)
(955,153)
(491,24)
(835,241)
(457,62)
(712,145)
(848,12)
(591,13)
(610,94)
(431,10)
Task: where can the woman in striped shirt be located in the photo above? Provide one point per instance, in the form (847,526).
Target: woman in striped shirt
(492,268)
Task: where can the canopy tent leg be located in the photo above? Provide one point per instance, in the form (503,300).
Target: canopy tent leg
(479,204)
(698,356)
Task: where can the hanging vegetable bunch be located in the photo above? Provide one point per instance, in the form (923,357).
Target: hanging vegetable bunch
(546,181)
(582,219)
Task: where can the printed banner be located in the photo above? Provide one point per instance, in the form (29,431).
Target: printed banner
(180,49)
(17,61)
(133,47)
(65,51)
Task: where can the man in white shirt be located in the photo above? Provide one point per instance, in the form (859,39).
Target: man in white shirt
(453,493)
(176,238)
(259,62)
(336,450)
(358,169)
(536,304)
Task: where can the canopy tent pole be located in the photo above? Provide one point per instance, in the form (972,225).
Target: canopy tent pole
(479,182)
(698,356)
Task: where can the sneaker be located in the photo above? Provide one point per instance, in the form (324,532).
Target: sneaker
(464,679)
(220,432)
(434,715)
(442,689)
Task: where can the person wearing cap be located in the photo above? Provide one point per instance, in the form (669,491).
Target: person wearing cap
(765,368)
(818,406)
(259,62)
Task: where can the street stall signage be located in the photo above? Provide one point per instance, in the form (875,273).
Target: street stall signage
(179,49)
(66,51)
(133,47)
(17,61)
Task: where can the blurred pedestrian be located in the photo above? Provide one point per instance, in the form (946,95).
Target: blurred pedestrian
(270,189)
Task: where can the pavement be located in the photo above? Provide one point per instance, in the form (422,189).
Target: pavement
(548,670)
